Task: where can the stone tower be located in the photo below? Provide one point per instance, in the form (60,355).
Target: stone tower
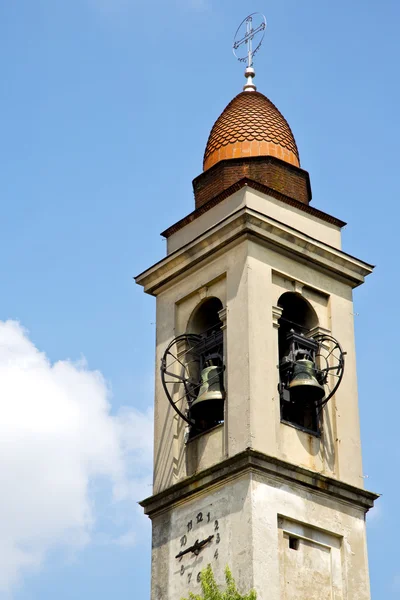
(257,459)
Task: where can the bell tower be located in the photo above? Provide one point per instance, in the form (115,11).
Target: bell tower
(257,459)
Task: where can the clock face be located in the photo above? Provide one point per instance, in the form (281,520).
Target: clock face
(192,549)
(197,541)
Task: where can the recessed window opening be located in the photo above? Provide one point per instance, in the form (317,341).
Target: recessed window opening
(298,406)
(205,318)
(294,543)
(206,367)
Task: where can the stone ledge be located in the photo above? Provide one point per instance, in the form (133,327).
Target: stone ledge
(253,461)
(247,222)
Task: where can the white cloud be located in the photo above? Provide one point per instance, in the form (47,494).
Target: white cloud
(127,539)
(57,439)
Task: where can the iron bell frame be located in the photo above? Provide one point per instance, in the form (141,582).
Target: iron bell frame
(327,355)
(181,366)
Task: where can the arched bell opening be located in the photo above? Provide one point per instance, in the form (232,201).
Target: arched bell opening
(205,317)
(206,366)
(297,315)
(300,389)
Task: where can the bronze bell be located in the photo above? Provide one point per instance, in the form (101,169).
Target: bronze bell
(304,385)
(208,407)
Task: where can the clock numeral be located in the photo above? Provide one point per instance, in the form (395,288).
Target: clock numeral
(189,577)
(199,517)
(216,525)
(182,570)
(217,539)
(183,541)
(216,554)
(208,517)
(190,526)
(198,577)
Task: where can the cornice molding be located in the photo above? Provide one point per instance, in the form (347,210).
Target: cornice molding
(252,461)
(268,191)
(248,223)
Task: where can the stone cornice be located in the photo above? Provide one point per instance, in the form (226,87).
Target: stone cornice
(246,222)
(251,461)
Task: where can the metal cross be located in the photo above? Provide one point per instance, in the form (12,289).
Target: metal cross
(248,39)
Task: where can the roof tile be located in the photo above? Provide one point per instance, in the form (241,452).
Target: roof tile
(250,117)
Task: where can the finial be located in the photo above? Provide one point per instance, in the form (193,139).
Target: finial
(249,74)
(245,34)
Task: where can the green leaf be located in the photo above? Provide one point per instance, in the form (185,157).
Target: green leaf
(210,590)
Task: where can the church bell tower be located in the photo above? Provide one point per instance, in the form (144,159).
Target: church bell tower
(257,458)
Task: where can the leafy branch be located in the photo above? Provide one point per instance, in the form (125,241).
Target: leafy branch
(210,590)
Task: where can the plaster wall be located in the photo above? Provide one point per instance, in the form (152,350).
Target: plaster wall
(250,520)
(331,559)
(337,452)
(249,277)
(267,205)
(224,277)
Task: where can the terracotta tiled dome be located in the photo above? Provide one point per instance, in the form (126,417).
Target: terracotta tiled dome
(250,126)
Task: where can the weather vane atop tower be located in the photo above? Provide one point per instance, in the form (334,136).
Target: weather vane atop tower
(250,35)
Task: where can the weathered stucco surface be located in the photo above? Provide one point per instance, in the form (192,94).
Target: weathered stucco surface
(264,204)
(248,275)
(255,516)
(247,251)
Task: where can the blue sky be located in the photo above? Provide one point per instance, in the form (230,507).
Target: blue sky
(106,107)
